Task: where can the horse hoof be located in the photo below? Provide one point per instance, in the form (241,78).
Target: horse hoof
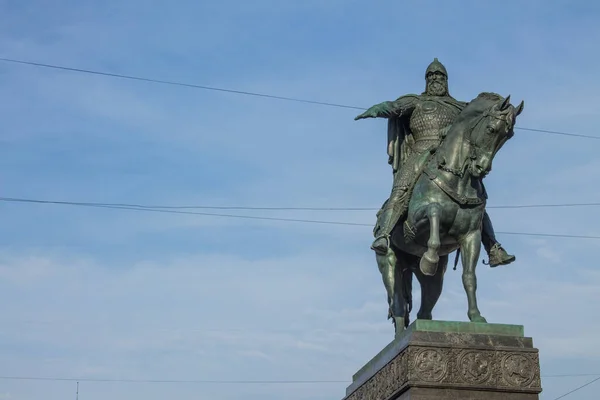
(399,326)
(478,319)
(428,267)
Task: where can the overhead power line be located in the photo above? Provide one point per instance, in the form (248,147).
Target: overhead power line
(99,205)
(577,389)
(254,217)
(190,85)
(546,205)
(247,93)
(228,382)
(249,208)
(206,207)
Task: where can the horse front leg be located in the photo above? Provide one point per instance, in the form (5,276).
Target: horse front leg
(429,261)
(392,281)
(470,249)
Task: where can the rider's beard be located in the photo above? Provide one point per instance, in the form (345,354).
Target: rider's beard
(436,89)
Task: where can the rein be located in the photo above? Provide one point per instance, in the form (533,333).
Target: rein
(460,173)
(459,198)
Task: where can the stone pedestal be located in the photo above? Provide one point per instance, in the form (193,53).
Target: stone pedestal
(438,360)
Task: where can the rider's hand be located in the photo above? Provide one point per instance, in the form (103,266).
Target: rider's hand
(372,112)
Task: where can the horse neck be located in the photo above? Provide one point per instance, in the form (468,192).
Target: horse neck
(453,153)
(452,158)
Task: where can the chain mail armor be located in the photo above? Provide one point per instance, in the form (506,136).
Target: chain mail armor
(428,120)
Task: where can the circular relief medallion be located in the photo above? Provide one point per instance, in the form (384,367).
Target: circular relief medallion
(430,365)
(518,370)
(475,367)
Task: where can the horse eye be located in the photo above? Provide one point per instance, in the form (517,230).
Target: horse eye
(490,129)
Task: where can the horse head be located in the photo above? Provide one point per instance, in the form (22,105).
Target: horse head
(490,124)
(490,134)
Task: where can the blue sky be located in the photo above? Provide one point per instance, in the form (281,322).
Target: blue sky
(100,293)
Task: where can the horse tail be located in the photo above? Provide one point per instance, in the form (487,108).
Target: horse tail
(456,258)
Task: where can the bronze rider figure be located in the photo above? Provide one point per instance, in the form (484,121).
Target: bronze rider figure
(416,127)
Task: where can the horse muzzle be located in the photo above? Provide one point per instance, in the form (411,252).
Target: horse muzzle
(480,171)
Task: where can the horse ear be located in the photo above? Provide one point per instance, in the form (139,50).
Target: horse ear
(519,109)
(505,103)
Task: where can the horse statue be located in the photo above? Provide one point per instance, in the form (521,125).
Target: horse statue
(445,211)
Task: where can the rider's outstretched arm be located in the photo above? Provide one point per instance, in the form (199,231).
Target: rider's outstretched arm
(402,106)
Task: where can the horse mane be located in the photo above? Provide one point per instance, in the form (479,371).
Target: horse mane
(483,102)
(452,157)
(489,96)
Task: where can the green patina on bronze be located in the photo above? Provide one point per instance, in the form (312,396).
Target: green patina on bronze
(423,325)
(440,150)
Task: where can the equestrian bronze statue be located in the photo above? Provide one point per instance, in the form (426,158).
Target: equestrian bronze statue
(440,150)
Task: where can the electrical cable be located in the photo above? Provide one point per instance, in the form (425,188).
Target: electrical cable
(247,93)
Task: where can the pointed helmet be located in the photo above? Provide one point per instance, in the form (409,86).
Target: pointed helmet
(436,66)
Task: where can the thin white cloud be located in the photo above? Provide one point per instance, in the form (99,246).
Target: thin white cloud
(315,308)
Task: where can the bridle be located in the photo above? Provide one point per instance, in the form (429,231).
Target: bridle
(495,112)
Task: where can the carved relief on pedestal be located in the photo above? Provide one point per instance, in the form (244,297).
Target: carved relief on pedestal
(474,366)
(385,383)
(459,367)
(518,369)
(429,365)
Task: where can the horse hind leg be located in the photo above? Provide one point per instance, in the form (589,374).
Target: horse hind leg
(404,269)
(431,289)
(391,274)
(387,267)
(429,262)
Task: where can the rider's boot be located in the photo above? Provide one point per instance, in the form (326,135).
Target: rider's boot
(381,244)
(497,254)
